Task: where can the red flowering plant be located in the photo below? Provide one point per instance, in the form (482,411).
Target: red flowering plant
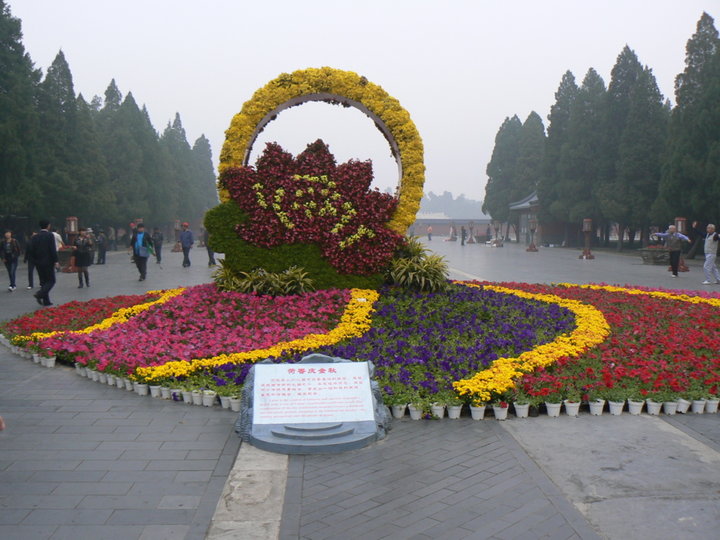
(74,315)
(311,200)
(662,345)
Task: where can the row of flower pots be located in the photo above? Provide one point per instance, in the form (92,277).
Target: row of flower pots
(571,408)
(45,361)
(207,398)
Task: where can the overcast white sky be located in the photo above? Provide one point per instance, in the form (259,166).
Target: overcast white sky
(459,67)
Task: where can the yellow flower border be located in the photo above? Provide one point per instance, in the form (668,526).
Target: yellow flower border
(501,376)
(657,294)
(120,316)
(348,88)
(354,322)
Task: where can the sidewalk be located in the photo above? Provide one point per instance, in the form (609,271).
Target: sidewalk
(80,460)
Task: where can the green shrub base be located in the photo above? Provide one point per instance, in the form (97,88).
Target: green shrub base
(240,256)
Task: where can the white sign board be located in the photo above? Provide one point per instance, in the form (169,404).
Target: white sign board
(312,393)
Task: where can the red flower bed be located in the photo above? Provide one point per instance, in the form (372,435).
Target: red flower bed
(659,347)
(72,316)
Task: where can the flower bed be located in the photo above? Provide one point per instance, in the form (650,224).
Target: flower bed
(178,329)
(73,316)
(488,342)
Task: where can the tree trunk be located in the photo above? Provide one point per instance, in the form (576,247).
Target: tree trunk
(621,236)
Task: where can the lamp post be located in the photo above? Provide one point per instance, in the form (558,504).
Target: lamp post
(532,225)
(587,228)
(681,227)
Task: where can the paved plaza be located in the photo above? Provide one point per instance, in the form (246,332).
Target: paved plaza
(80,460)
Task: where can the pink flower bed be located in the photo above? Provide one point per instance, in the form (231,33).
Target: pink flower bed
(203,322)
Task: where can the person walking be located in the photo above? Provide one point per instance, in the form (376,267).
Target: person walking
(158,239)
(142,247)
(10,255)
(463,235)
(712,274)
(673,243)
(101,243)
(186,242)
(30,266)
(43,254)
(210,252)
(83,254)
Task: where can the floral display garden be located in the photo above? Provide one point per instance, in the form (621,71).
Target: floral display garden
(317,262)
(476,343)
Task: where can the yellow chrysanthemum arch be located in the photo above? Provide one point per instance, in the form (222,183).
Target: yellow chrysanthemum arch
(339,87)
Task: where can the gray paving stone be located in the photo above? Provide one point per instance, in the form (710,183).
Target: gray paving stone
(24,532)
(151,517)
(95,532)
(67,517)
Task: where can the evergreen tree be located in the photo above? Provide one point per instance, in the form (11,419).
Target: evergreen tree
(627,199)
(57,176)
(687,186)
(182,166)
(582,159)
(18,121)
(205,172)
(551,204)
(502,170)
(531,154)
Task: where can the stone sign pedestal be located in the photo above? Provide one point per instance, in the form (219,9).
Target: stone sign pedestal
(319,405)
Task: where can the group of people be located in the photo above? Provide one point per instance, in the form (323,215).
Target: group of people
(41,254)
(711,243)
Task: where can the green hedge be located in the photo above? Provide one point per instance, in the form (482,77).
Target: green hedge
(240,256)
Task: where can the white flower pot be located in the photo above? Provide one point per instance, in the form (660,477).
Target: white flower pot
(176,394)
(36,358)
(225,402)
(129,385)
(102,377)
(80,370)
(698,406)
(553,409)
(572,408)
(500,413)
(94,375)
(522,410)
(187,397)
(50,362)
(711,406)
(415,412)
(597,406)
(235,404)
(165,392)
(111,380)
(670,407)
(398,411)
(653,407)
(635,407)
(477,413)
(454,411)
(120,382)
(141,389)
(208,398)
(683,405)
(197,397)
(616,407)
(437,410)
(155,390)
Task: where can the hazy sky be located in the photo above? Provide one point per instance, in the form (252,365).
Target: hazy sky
(458,67)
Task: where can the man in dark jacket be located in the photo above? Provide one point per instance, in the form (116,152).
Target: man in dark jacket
(43,253)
